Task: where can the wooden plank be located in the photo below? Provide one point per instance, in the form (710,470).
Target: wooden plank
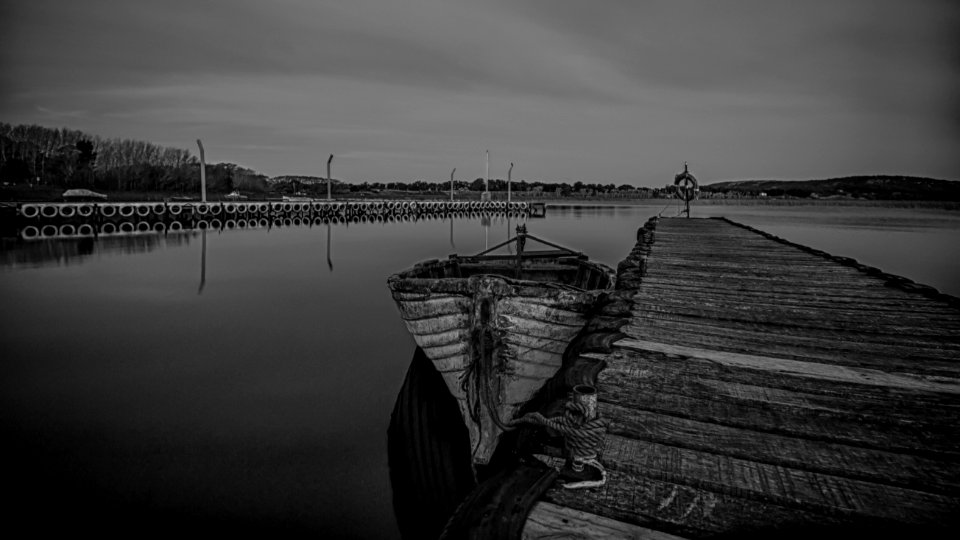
(760,335)
(811,423)
(878,466)
(865,321)
(551,521)
(783,486)
(868,294)
(805,369)
(680,509)
(910,303)
(922,344)
(850,310)
(758,317)
(655,372)
(925,362)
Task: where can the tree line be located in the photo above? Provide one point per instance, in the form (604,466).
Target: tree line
(74,159)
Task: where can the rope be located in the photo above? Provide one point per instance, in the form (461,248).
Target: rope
(582,436)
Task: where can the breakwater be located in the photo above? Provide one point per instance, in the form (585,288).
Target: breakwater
(67,220)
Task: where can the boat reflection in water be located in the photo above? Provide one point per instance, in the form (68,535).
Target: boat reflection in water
(428,453)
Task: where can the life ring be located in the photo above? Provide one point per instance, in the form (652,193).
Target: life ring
(29,210)
(85,229)
(49,211)
(67,210)
(686,184)
(85,210)
(30,232)
(143,210)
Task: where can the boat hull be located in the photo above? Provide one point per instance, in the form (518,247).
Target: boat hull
(494,340)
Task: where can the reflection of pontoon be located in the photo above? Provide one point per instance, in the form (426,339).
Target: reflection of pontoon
(496,326)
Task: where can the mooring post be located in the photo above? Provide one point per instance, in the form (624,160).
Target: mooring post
(486,178)
(509,179)
(485,196)
(203,174)
(586,395)
(451,183)
(329,197)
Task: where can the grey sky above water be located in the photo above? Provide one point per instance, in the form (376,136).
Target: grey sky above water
(603,91)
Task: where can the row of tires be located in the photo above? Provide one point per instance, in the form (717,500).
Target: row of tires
(69,230)
(128,210)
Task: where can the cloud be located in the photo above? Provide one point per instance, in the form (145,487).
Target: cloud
(621,90)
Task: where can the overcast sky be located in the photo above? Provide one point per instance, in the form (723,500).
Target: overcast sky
(599,91)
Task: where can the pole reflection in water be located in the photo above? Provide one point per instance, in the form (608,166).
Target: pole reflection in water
(329,259)
(485,222)
(452,245)
(203,263)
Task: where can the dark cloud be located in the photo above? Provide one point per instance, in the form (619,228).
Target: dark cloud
(570,88)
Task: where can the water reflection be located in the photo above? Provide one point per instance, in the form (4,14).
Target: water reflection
(267,397)
(203,264)
(329,259)
(15,253)
(428,452)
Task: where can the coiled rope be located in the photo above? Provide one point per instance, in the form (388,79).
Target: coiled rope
(581,435)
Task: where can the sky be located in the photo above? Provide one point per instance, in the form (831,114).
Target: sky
(620,91)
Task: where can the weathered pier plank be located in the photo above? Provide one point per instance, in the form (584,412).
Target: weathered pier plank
(764,384)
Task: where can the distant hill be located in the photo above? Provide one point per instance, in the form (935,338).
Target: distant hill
(880,187)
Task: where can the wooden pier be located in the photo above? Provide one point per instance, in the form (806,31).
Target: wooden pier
(768,387)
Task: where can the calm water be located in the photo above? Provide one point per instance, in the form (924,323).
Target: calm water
(143,388)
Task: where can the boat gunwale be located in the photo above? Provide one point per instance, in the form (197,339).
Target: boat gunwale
(404,282)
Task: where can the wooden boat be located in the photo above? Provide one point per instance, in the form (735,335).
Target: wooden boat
(496,326)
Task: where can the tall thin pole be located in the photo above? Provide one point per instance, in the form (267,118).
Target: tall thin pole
(451,183)
(509,171)
(486,181)
(328,177)
(203,174)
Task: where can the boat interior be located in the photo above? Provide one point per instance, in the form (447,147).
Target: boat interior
(559,265)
